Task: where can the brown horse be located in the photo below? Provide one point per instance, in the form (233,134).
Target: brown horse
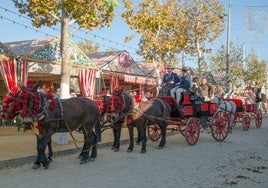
(59,115)
(150,112)
(116,110)
(11,111)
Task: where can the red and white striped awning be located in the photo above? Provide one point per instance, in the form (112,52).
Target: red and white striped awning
(140,80)
(87,82)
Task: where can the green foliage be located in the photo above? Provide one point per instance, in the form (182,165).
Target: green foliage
(242,69)
(161,26)
(88,47)
(206,18)
(87,14)
(171,26)
(255,69)
(84,13)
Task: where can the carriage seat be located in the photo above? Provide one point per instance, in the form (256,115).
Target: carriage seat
(187,97)
(238,103)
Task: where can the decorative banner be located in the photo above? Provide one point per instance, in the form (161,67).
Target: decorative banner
(114,82)
(24,68)
(87,82)
(8,70)
(131,79)
(151,81)
(14,71)
(141,80)
(125,60)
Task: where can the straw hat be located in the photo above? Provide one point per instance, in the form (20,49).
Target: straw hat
(169,67)
(184,69)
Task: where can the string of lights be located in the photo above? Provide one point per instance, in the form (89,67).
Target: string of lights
(131,50)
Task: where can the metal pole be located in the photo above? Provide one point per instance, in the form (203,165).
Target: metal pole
(228,40)
(183,59)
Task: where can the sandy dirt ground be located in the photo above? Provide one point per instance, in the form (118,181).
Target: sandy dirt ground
(241,161)
(15,144)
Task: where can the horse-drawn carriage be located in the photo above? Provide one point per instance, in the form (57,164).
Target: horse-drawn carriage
(246,113)
(188,117)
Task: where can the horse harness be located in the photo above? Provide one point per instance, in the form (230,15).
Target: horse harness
(141,112)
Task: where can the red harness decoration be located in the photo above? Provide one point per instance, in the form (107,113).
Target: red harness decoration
(102,104)
(116,103)
(116,100)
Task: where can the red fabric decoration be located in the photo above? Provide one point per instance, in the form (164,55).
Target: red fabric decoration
(129,120)
(116,103)
(102,104)
(52,101)
(29,83)
(137,98)
(14,90)
(38,126)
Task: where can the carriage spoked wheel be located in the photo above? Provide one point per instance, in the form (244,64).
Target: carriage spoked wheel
(192,131)
(154,132)
(246,122)
(220,125)
(258,118)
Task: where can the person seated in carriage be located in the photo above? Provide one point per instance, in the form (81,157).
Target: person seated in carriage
(194,89)
(170,80)
(257,91)
(205,89)
(183,86)
(229,90)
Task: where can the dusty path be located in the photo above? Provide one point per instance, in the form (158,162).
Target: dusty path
(241,162)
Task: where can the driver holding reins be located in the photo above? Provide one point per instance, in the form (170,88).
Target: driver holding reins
(170,77)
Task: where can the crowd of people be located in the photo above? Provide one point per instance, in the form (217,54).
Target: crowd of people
(183,83)
(201,88)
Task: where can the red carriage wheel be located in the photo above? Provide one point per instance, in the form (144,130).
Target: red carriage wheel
(192,131)
(246,122)
(258,118)
(220,125)
(154,132)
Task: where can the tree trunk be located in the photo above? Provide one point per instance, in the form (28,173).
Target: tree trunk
(199,58)
(65,55)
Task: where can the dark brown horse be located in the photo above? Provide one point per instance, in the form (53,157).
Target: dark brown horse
(59,115)
(150,112)
(11,111)
(116,110)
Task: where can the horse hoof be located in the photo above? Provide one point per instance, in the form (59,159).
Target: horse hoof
(79,157)
(160,147)
(90,159)
(143,151)
(36,166)
(116,150)
(50,159)
(83,161)
(46,165)
(129,150)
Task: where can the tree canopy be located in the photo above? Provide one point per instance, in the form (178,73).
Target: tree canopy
(243,67)
(161,25)
(88,47)
(171,26)
(83,13)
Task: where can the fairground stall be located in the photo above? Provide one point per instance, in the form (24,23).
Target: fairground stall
(40,59)
(118,68)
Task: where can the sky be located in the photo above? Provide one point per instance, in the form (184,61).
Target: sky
(16,27)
